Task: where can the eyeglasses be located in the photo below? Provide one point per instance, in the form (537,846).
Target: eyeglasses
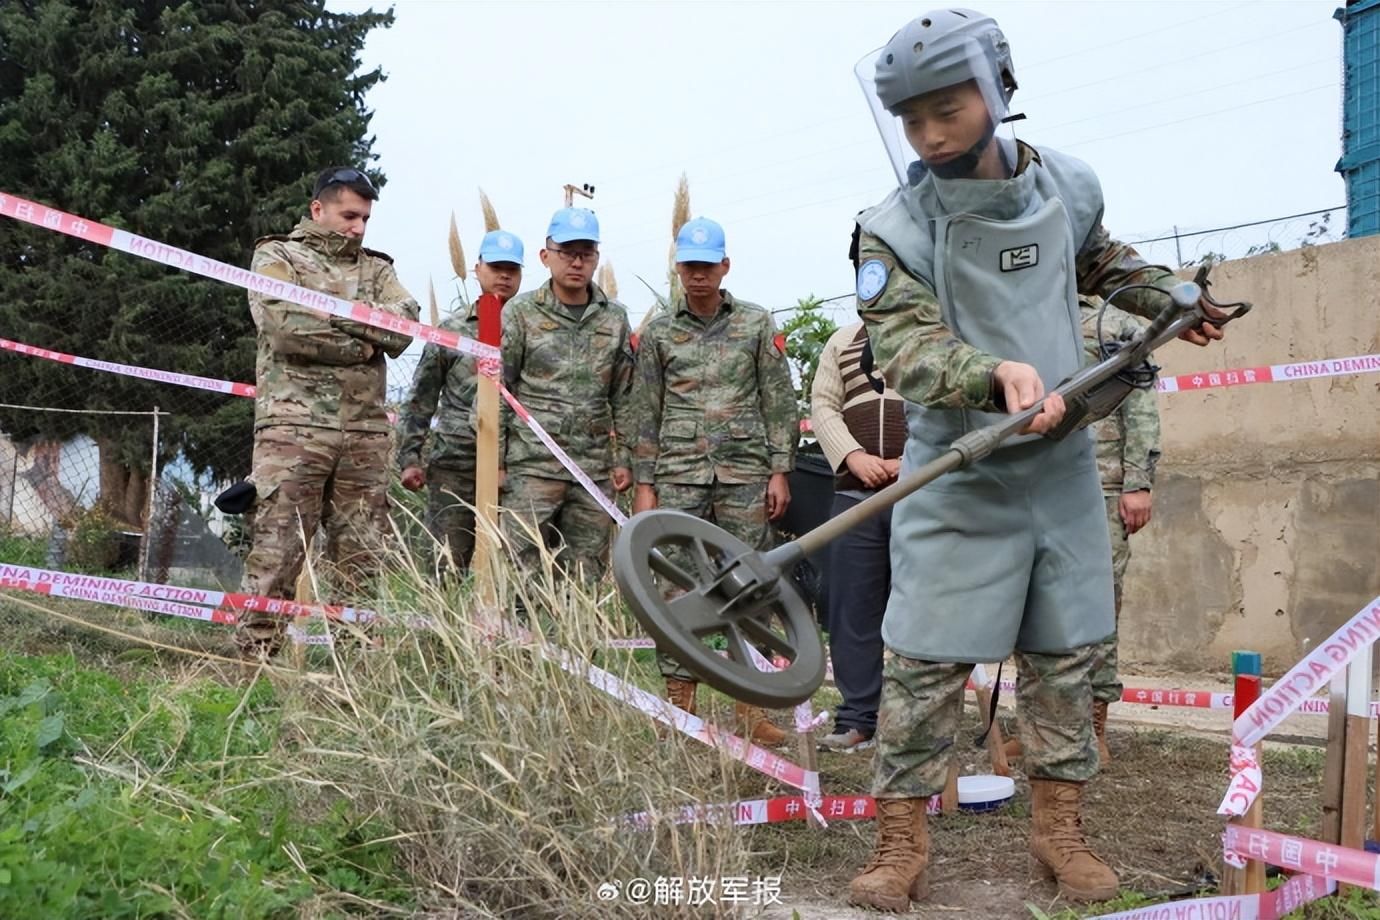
(347,176)
(572,256)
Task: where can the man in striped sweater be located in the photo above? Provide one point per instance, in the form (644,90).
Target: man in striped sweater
(861,426)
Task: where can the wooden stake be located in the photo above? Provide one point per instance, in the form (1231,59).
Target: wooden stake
(996,745)
(303,594)
(948,804)
(1336,759)
(1355,769)
(487,460)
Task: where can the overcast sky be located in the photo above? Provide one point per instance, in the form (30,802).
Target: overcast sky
(1196,114)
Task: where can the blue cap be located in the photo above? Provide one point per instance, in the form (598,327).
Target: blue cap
(500,246)
(573,224)
(700,240)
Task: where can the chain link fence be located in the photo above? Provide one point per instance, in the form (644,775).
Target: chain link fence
(128,491)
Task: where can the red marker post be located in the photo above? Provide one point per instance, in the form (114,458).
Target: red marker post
(1245,668)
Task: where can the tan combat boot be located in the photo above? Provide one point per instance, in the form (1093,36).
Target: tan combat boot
(681,693)
(1104,753)
(896,873)
(753,724)
(1057,842)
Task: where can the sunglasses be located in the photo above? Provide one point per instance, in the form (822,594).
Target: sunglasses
(348,176)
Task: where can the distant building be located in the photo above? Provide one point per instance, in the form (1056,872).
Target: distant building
(1360,162)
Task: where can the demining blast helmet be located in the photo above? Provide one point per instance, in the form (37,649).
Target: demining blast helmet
(937,50)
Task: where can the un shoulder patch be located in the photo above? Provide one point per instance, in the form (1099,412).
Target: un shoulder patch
(872,278)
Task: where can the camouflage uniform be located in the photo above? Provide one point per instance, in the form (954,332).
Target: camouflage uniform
(573,375)
(444,387)
(716,417)
(923,359)
(1128,448)
(321,435)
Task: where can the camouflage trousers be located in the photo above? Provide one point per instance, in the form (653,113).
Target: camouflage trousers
(922,702)
(1106,685)
(450,511)
(739,508)
(307,477)
(570,523)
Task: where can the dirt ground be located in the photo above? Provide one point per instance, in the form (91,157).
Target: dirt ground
(1151,814)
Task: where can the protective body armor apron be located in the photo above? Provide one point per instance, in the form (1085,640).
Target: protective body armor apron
(1013,552)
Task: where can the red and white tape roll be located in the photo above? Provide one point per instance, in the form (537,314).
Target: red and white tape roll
(95,232)
(132,370)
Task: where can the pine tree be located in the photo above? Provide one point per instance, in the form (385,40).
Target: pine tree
(198,124)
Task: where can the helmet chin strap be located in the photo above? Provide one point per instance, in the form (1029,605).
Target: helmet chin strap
(963,165)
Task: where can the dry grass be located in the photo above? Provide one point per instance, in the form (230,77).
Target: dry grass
(680,214)
(605,279)
(490,215)
(457,252)
(431,299)
(503,775)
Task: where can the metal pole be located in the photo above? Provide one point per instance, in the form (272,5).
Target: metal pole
(153,497)
(1178,251)
(14,485)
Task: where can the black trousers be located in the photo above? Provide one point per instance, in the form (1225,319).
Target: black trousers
(859,583)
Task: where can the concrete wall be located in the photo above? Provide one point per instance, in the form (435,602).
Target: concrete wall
(1266,527)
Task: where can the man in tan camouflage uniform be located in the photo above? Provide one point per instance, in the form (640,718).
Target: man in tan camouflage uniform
(566,357)
(321,436)
(443,387)
(717,420)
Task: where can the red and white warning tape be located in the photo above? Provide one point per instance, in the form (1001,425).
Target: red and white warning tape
(1328,860)
(94,232)
(777,810)
(1287,695)
(571,466)
(1268,905)
(131,370)
(213,606)
(1271,373)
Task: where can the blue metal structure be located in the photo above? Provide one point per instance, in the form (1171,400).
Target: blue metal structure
(1360,162)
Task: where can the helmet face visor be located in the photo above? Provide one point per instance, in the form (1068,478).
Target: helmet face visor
(940,111)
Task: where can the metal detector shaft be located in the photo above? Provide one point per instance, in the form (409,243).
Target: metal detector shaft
(1183,313)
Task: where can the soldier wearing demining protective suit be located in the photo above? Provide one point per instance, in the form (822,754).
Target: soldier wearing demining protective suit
(968,280)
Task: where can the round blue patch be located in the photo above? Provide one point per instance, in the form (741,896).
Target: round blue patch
(872,278)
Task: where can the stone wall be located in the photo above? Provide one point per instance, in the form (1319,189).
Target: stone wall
(1266,527)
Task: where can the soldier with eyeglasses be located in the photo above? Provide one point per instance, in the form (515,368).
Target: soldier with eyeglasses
(567,358)
(321,432)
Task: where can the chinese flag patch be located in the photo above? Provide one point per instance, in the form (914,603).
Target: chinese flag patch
(778,342)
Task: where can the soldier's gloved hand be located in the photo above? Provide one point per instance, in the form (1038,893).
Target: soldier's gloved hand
(413,478)
(1021,387)
(1134,508)
(622,478)
(644,498)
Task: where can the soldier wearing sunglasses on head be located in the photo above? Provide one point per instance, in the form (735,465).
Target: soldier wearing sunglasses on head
(321,434)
